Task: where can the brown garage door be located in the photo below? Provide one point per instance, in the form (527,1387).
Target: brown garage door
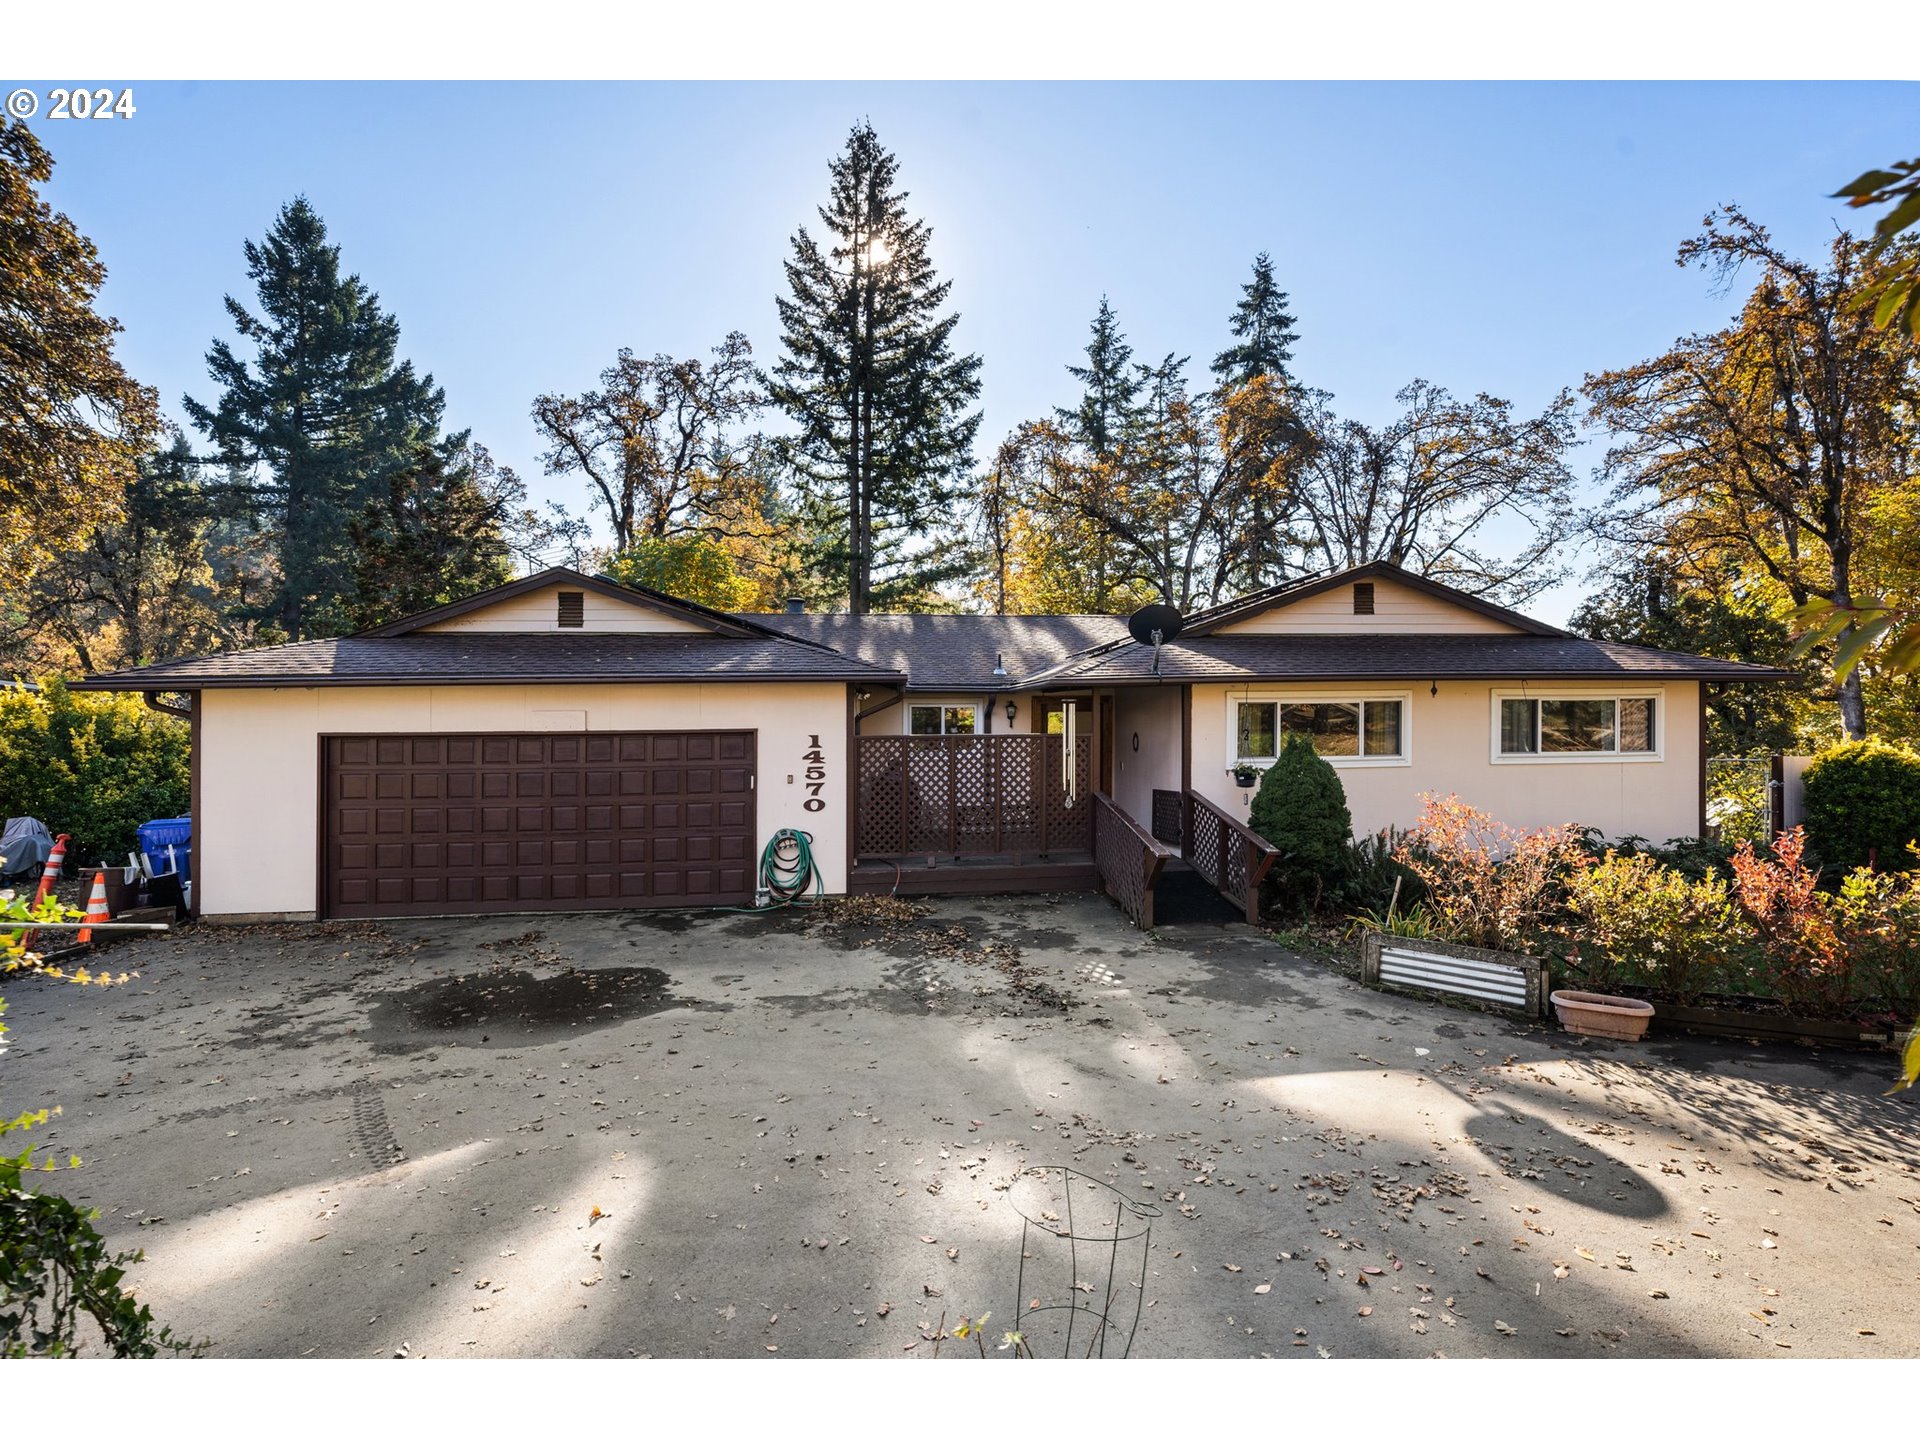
(471,824)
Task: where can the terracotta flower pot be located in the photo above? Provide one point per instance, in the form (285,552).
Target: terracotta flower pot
(1612,1017)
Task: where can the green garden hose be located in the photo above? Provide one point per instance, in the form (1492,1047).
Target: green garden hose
(787,868)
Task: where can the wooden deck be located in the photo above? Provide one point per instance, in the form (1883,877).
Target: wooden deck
(975,875)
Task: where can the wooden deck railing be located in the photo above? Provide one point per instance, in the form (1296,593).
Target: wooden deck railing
(973,795)
(1130,860)
(1220,848)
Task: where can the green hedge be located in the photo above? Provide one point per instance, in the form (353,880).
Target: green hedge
(94,766)
(1863,805)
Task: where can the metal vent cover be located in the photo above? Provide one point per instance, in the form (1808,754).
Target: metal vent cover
(1485,977)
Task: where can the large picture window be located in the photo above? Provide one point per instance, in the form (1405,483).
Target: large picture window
(1576,727)
(943,720)
(1350,730)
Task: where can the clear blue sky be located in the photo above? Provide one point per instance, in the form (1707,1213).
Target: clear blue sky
(1497,237)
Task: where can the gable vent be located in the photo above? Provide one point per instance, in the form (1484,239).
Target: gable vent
(573,610)
(1363,597)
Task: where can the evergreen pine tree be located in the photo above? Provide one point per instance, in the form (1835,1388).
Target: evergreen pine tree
(436,533)
(1264,327)
(321,418)
(1112,387)
(877,395)
(1301,810)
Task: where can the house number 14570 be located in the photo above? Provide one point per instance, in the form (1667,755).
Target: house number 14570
(816,763)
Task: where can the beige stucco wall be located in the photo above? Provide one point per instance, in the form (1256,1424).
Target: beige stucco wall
(540,610)
(257,831)
(1397,609)
(1450,743)
(1152,714)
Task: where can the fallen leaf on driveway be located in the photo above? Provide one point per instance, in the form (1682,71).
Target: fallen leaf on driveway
(1504,1328)
(1234,1268)
(1364,1311)
(591,1280)
(1262,1289)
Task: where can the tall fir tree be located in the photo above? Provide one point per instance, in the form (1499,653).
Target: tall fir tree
(1111,387)
(1264,327)
(140,589)
(321,418)
(437,532)
(879,399)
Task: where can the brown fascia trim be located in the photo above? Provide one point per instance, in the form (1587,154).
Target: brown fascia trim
(1632,677)
(1207,622)
(638,595)
(332,682)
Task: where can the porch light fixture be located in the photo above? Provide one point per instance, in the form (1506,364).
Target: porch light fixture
(1011,708)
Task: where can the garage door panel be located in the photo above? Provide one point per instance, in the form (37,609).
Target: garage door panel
(675,825)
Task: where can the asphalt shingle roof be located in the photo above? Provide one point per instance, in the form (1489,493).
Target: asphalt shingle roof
(1234,658)
(954,652)
(469,658)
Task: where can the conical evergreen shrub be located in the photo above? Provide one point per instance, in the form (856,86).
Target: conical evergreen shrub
(1301,810)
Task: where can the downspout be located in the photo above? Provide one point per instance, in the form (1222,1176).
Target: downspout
(877,707)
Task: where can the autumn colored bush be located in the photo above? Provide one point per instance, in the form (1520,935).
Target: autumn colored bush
(1487,883)
(1804,962)
(1634,920)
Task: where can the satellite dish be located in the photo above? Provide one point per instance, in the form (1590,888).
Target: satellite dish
(1155,624)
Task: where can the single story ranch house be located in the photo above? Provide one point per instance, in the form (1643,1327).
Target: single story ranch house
(568,743)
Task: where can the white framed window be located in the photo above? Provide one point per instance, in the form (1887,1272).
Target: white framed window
(1534,728)
(943,720)
(1364,730)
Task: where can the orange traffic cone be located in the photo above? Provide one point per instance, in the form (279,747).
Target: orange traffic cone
(96,907)
(51,872)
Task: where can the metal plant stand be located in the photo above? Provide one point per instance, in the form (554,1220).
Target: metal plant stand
(1078,1238)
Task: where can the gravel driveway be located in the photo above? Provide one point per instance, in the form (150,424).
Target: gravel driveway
(737,1134)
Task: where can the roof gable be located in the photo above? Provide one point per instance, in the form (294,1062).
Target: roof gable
(531,605)
(1399,603)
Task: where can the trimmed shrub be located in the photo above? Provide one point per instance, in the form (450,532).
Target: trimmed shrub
(94,766)
(1878,919)
(1634,919)
(1301,810)
(1863,805)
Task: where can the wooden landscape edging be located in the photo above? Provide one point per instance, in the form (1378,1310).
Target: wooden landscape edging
(1749,1025)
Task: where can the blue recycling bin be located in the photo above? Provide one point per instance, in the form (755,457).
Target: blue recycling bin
(155,836)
